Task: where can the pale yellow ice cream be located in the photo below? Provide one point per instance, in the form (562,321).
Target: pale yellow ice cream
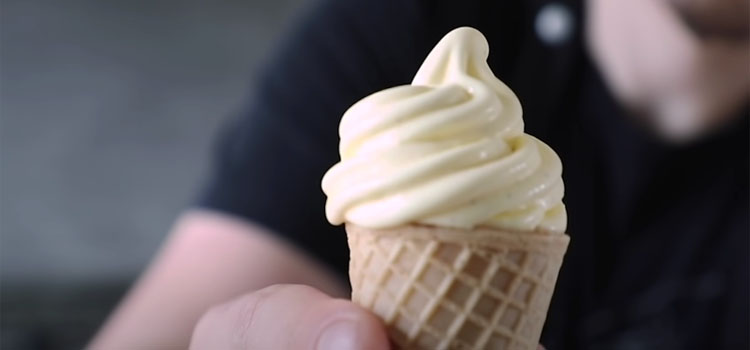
(448,150)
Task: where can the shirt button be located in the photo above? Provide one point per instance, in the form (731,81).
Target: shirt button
(554,24)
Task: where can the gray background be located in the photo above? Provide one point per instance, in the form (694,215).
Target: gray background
(107,113)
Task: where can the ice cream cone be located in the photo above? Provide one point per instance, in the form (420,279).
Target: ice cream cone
(442,288)
(449,150)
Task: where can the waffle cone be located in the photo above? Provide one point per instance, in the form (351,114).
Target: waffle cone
(440,288)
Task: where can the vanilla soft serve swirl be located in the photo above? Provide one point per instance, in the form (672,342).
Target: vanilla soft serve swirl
(448,150)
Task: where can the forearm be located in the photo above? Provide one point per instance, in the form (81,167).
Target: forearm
(209,258)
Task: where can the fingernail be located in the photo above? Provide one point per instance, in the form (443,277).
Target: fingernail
(340,335)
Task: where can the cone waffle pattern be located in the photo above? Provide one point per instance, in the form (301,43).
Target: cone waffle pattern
(439,288)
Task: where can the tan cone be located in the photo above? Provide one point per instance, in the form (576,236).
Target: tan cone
(438,288)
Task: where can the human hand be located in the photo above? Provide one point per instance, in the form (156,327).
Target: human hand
(289,317)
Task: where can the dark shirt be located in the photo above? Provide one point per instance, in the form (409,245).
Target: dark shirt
(659,250)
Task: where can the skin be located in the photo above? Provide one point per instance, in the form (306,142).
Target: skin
(209,259)
(682,70)
(290,317)
(680,67)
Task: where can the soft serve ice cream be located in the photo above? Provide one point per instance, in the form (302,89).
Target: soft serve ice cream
(448,150)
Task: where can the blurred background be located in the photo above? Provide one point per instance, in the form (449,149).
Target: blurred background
(107,113)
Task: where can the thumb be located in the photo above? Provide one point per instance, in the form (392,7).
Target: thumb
(289,317)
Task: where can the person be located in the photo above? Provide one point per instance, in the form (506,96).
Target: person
(646,102)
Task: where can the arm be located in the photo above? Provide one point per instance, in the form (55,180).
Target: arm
(209,258)
(267,170)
